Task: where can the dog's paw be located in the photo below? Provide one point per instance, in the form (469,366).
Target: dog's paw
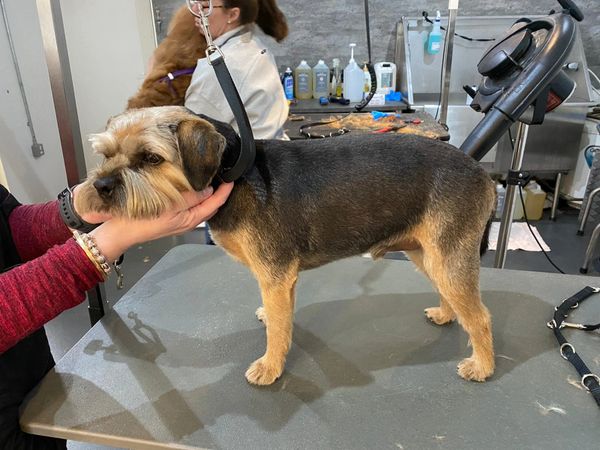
(262,373)
(472,370)
(261,314)
(436,315)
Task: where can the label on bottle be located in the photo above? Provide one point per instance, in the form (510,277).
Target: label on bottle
(386,80)
(288,87)
(322,80)
(303,83)
(435,46)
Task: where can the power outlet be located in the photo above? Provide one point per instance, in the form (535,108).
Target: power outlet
(37,150)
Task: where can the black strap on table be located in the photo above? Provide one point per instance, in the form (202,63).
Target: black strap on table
(589,380)
(247,153)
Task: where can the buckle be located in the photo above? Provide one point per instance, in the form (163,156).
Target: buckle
(562,351)
(589,375)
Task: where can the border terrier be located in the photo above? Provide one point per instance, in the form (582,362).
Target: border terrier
(305,203)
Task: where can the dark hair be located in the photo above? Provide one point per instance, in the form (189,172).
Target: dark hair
(265,13)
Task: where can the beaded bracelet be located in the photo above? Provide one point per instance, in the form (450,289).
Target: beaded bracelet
(88,244)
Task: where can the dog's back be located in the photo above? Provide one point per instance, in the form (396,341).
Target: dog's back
(332,198)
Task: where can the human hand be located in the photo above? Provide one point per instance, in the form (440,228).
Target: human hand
(118,234)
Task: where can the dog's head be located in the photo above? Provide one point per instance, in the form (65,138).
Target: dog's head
(151,155)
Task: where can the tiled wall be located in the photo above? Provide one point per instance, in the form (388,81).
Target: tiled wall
(324,28)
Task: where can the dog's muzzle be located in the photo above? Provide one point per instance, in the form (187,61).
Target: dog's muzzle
(105,186)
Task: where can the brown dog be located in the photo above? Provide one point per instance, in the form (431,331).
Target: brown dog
(178,51)
(305,203)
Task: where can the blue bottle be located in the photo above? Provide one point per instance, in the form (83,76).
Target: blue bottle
(288,84)
(434,43)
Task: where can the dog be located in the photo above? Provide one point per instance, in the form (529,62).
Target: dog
(177,54)
(305,203)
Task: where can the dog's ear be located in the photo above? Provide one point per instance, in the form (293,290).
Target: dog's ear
(201,148)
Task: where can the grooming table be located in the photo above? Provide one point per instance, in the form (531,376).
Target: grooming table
(364,123)
(165,369)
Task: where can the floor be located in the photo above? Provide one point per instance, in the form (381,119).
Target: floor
(568,251)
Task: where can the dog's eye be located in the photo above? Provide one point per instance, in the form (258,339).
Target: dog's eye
(152,158)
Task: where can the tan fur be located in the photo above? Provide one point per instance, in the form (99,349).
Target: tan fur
(180,49)
(188,143)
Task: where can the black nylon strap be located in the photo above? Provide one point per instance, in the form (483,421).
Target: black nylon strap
(247,153)
(589,380)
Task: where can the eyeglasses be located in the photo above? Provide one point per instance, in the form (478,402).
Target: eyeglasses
(206,8)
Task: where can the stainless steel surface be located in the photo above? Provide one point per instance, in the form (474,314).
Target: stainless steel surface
(36,148)
(403,66)
(509,199)
(551,147)
(447,68)
(55,49)
(366,370)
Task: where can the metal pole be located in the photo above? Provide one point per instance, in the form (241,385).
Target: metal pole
(37,149)
(61,83)
(509,200)
(447,68)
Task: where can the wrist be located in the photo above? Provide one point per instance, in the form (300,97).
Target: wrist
(69,215)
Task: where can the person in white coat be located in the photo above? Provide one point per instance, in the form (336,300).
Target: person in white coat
(252,67)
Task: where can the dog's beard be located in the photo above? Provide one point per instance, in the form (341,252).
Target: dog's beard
(138,194)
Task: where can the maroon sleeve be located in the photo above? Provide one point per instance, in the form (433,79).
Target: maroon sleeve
(36,228)
(36,292)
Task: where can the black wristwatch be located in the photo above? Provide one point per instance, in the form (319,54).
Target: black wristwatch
(68,214)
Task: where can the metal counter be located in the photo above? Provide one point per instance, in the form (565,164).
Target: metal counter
(366,370)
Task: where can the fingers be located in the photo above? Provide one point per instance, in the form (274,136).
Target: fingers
(210,206)
(192,198)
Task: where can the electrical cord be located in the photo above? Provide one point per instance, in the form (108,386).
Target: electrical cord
(427,19)
(527,219)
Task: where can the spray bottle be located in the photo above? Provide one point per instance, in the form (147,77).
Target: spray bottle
(288,84)
(353,79)
(434,43)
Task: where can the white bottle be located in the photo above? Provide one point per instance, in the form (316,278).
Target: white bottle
(500,194)
(320,78)
(354,79)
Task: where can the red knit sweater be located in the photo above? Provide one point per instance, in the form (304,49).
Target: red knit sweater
(54,276)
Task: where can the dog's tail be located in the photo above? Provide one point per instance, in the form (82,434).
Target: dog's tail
(485,239)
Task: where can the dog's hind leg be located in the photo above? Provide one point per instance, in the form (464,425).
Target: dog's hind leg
(456,275)
(278,295)
(439,315)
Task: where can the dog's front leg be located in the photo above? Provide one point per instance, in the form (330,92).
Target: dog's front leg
(277,314)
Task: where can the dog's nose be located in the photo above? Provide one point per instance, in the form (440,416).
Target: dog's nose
(105,186)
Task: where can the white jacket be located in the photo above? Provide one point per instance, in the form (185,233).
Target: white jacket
(256,78)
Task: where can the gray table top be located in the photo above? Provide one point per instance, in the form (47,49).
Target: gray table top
(366,370)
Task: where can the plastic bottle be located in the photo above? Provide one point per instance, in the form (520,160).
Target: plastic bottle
(353,79)
(320,80)
(336,77)
(288,84)
(367,78)
(534,203)
(303,81)
(434,43)
(501,194)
